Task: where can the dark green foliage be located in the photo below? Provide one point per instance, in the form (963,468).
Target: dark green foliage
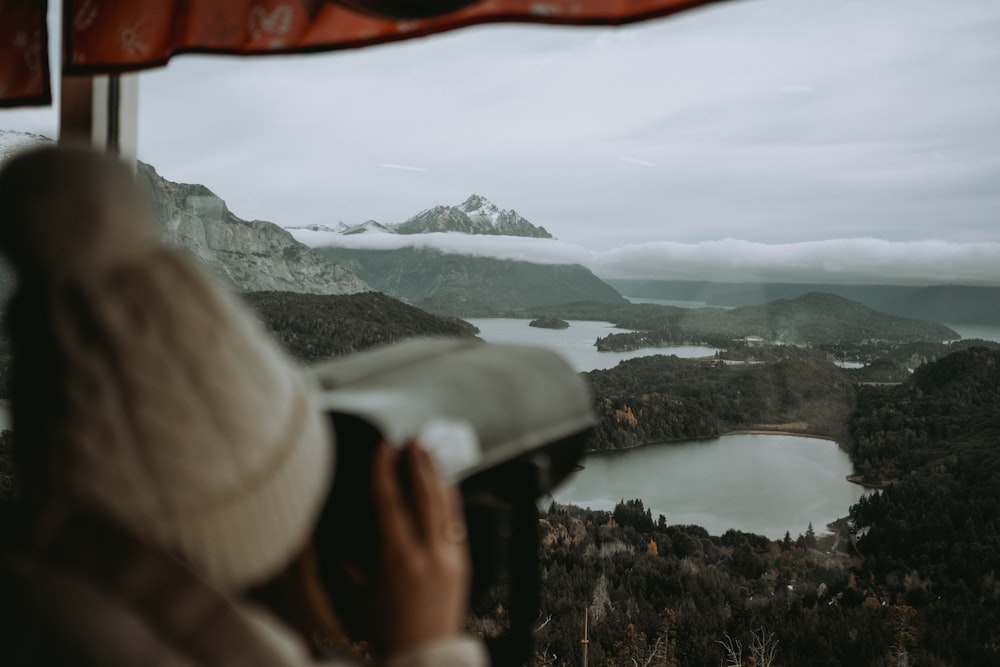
(910,354)
(663,399)
(880,371)
(633,514)
(313,327)
(931,539)
(708,585)
(549,323)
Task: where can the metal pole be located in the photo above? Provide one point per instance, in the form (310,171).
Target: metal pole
(100,111)
(585,641)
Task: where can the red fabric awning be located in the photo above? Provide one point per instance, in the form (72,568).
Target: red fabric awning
(101,36)
(24,53)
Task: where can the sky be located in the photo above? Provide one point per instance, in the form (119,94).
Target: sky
(833,140)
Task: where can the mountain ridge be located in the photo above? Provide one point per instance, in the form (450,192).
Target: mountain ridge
(477,215)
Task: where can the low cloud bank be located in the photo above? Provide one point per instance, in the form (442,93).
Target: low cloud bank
(841,261)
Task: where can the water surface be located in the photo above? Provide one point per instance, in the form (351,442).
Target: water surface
(765,484)
(576,343)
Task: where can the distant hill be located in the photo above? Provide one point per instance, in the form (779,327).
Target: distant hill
(813,319)
(313,327)
(951,304)
(476,215)
(827,318)
(415,274)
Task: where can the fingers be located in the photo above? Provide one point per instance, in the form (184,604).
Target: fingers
(434,508)
(422,583)
(390,507)
(432,514)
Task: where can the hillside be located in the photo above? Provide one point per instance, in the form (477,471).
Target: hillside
(931,537)
(414,274)
(313,327)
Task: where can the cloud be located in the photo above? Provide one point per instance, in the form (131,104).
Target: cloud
(775,122)
(633,160)
(400,166)
(839,261)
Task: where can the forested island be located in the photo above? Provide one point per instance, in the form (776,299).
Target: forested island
(549,323)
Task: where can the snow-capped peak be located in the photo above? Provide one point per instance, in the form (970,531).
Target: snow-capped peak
(477,205)
(476,215)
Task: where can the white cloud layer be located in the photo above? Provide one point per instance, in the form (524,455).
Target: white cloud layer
(840,261)
(783,123)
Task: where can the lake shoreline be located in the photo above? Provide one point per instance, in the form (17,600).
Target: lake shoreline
(715,482)
(747,431)
(852,478)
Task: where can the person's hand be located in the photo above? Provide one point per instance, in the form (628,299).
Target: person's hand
(423,566)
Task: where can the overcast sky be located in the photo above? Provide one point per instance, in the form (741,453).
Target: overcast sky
(821,139)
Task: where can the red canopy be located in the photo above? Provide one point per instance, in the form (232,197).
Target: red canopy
(101,36)
(24,53)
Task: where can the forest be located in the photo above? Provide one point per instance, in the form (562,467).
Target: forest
(908,577)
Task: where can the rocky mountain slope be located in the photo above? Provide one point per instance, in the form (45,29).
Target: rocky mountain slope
(251,255)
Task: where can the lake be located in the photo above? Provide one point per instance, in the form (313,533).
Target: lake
(981,331)
(763,484)
(576,344)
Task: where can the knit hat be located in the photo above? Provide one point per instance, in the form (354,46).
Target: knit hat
(144,390)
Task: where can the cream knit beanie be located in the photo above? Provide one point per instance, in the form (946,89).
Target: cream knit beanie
(144,390)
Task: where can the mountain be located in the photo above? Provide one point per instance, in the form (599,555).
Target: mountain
(248,254)
(476,215)
(827,318)
(415,274)
(251,254)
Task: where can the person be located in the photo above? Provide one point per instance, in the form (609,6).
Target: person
(172,458)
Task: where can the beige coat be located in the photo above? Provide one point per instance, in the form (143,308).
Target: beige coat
(96,597)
